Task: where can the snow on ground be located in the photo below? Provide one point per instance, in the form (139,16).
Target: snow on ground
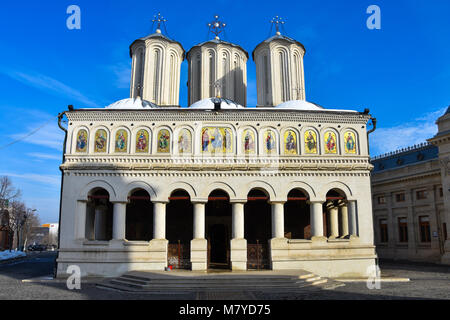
(5,255)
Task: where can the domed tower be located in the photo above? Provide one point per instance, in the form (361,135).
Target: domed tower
(155,71)
(217,68)
(279,69)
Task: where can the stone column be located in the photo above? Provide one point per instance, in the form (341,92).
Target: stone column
(159,220)
(334,221)
(199,221)
(81,219)
(199,245)
(352,225)
(277,220)
(100,223)
(343,211)
(316,217)
(238,221)
(159,244)
(238,245)
(119,220)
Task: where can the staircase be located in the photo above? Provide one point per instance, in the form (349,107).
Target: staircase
(188,281)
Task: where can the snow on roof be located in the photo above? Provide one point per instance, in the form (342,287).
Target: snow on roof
(208,103)
(131,103)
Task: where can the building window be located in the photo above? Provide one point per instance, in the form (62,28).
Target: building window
(383,230)
(441,192)
(381,200)
(424,224)
(444,227)
(421,194)
(402,230)
(400,197)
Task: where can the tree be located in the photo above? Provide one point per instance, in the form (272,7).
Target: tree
(31,220)
(7,194)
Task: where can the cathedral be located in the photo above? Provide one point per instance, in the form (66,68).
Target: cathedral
(150,185)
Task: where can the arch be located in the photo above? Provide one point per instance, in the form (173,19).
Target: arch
(135,185)
(97,140)
(117,146)
(91,186)
(218,185)
(308,135)
(183,143)
(306,188)
(141,146)
(243,141)
(293,148)
(324,134)
(179,185)
(263,136)
(76,148)
(156,133)
(339,186)
(344,136)
(263,186)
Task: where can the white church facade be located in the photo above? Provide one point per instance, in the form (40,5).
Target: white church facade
(283,185)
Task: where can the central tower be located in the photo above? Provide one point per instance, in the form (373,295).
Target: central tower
(217,68)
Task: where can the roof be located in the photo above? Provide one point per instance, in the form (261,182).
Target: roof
(217,41)
(278,37)
(404,157)
(157,35)
(132,104)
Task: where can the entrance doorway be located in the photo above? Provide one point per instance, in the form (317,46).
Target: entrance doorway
(179,229)
(218,229)
(258,229)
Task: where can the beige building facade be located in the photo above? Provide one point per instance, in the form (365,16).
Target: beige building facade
(410,200)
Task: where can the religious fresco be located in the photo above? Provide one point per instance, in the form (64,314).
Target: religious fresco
(82,141)
(163,141)
(248,141)
(142,141)
(310,142)
(101,139)
(290,142)
(330,142)
(215,139)
(121,141)
(270,145)
(185,141)
(350,142)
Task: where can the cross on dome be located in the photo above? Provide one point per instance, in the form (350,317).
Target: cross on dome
(277,21)
(216,26)
(158,19)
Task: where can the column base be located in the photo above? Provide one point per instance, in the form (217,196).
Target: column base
(199,254)
(319,239)
(158,251)
(238,254)
(116,243)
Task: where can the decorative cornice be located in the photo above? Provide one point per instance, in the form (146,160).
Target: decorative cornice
(190,115)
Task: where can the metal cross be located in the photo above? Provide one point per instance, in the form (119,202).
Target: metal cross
(158,19)
(217,26)
(277,21)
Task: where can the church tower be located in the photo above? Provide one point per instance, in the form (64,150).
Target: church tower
(155,71)
(279,69)
(217,68)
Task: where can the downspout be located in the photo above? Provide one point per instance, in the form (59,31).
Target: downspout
(374,124)
(60,116)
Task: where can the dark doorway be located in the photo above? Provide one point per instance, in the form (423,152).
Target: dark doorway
(297,223)
(139,218)
(218,229)
(258,229)
(179,230)
(99,216)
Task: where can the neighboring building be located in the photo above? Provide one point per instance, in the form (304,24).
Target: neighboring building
(52,233)
(5,235)
(411,200)
(39,235)
(218,184)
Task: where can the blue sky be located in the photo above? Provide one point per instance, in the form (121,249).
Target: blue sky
(401,72)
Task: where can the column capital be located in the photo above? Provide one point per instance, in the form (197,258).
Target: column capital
(199,200)
(243,201)
(315,201)
(277,202)
(119,201)
(160,201)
